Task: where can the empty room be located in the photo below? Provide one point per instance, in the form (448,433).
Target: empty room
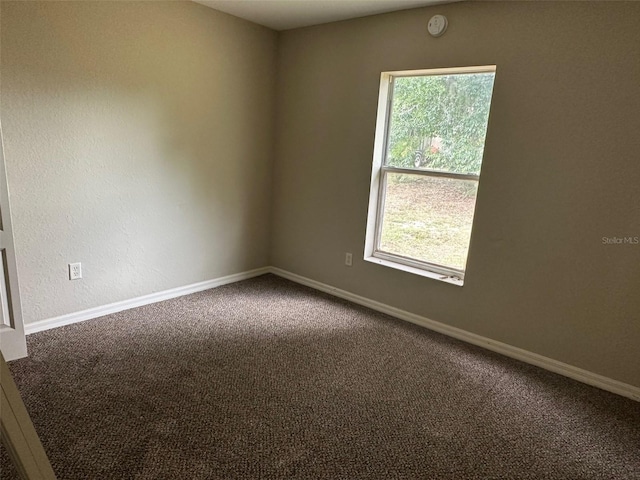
(313,239)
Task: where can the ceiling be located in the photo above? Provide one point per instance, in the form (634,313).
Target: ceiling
(286,14)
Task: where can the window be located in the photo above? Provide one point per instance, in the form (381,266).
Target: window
(428,151)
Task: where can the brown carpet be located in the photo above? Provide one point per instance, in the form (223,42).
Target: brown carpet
(269,379)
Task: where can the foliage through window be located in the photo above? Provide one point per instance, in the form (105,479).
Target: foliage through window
(429,148)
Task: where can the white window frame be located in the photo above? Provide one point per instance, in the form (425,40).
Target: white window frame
(372,251)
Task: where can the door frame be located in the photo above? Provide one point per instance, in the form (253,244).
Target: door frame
(13,343)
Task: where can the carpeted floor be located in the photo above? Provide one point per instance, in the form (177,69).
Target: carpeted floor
(269,379)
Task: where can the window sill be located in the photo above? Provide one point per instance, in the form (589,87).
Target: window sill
(416,271)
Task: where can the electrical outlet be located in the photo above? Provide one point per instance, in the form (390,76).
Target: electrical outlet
(348,259)
(75,271)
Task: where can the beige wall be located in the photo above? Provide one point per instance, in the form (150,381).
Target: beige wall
(561,171)
(139,141)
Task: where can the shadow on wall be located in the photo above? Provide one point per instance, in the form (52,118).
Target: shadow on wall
(141,135)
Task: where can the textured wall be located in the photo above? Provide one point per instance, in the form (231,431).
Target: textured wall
(561,171)
(138,141)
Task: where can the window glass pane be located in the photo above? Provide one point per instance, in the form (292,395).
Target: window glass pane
(428,218)
(439,122)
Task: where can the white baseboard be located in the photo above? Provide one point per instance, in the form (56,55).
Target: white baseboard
(139,301)
(550,364)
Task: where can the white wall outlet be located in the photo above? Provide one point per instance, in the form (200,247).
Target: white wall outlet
(75,271)
(348,259)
